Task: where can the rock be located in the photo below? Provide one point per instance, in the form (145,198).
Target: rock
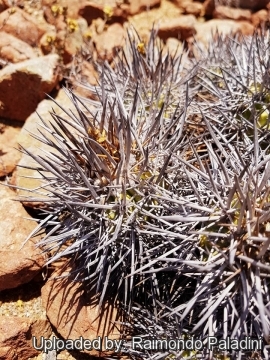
(260,17)
(53,10)
(84,75)
(73,40)
(68,311)
(119,10)
(109,41)
(65,41)
(18,264)
(22,177)
(206,30)
(9,155)
(194,8)
(48,42)
(245,4)
(190,7)
(14,50)
(245,28)
(226,12)
(16,337)
(208,7)
(174,46)
(23,86)
(111,10)
(181,27)
(3,5)
(20,24)
(138,6)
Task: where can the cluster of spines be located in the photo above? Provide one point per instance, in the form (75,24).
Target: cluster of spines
(161,188)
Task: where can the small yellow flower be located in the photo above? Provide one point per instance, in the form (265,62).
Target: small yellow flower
(101,137)
(72,25)
(50,39)
(108,11)
(141,48)
(19,303)
(57,10)
(88,35)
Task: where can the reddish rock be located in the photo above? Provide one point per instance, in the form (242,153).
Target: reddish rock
(67,310)
(245,4)
(109,41)
(181,27)
(174,47)
(18,264)
(110,10)
(29,178)
(24,85)
(194,8)
(3,5)
(85,74)
(14,50)
(208,7)
(57,20)
(138,6)
(16,337)
(190,7)
(206,30)
(9,155)
(48,42)
(20,24)
(73,40)
(226,12)
(114,11)
(260,17)
(245,28)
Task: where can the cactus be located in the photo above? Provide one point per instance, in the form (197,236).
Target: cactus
(161,193)
(113,176)
(221,286)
